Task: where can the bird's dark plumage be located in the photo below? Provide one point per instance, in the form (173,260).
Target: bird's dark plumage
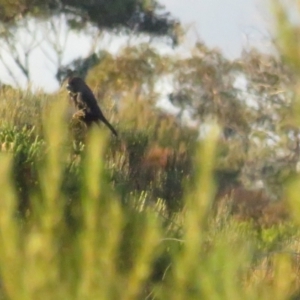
(86,103)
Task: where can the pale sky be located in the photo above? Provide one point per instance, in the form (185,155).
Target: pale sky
(227,24)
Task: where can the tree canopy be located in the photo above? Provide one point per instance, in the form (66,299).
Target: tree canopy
(142,16)
(248,97)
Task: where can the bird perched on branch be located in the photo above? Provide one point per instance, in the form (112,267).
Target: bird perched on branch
(86,103)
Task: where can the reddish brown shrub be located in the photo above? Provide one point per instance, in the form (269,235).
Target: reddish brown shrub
(254,205)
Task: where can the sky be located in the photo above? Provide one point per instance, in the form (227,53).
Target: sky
(229,25)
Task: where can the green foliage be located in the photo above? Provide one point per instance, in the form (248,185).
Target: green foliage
(248,98)
(96,226)
(112,15)
(135,69)
(162,212)
(27,149)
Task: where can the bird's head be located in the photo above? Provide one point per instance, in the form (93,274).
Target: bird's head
(75,84)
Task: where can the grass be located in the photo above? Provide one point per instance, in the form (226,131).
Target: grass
(74,225)
(86,216)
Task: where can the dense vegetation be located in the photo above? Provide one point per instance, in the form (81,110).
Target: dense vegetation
(170,209)
(142,16)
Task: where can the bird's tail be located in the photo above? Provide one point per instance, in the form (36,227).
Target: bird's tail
(103,119)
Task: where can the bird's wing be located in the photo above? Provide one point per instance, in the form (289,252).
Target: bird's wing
(88,98)
(81,102)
